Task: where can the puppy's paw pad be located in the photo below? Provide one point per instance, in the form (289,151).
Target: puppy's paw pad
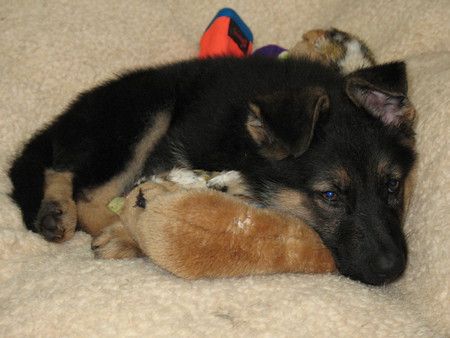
(56,220)
(50,221)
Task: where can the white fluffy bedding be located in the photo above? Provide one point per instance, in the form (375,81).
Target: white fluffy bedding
(50,50)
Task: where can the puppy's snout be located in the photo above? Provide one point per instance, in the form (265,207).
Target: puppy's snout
(387,267)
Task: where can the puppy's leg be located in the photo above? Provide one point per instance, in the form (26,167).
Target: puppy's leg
(93,211)
(115,242)
(57,215)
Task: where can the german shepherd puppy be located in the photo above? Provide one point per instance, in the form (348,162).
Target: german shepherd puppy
(334,150)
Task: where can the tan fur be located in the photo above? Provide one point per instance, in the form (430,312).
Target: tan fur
(334,48)
(58,189)
(409,112)
(408,184)
(207,234)
(408,190)
(307,48)
(263,136)
(341,179)
(93,214)
(385,168)
(342,176)
(293,202)
(116,242)
(255,125)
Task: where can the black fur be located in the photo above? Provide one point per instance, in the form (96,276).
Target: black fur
(209,105)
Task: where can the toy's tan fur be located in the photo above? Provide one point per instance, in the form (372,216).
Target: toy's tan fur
(334,48)
(232,239)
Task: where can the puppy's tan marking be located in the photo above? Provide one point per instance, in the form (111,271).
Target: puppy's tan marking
(293,202)
(408,190)
(93,214)
(386,169)
(338,178)
(409,112)
(262,135)
(342,179)
(297,203)
(58,185)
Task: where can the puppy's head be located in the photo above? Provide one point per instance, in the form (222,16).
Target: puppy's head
(348,177)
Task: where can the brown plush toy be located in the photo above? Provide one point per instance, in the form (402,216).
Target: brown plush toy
(199,233)
(341,50)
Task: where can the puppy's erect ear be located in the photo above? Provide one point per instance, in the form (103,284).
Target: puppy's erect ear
(382,91)
(282,124)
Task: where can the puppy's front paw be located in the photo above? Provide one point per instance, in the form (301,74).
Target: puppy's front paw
(57,220)
(114,242)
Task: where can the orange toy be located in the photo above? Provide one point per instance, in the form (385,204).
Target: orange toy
(226,35)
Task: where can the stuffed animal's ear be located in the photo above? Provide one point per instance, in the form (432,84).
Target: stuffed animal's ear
(382,91)
(283,124)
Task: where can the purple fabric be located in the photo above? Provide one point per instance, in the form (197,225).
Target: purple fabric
(269,51)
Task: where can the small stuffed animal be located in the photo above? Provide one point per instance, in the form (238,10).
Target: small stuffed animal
(195,232)
(340,50)
(335,48)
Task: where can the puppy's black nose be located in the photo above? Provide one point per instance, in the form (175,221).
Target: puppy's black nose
(386,267)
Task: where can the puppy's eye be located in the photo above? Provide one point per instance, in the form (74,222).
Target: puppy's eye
(393,185)
(329,196)
(140,200)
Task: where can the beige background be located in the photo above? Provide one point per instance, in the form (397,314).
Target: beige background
(51,50)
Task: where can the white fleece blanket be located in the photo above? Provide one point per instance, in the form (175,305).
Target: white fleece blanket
(51,49)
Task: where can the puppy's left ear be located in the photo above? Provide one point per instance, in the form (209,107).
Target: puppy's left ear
(382,91)
(282,124)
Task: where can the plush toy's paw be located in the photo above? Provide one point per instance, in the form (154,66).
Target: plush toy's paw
(115,242)
(56,220)
(230,182)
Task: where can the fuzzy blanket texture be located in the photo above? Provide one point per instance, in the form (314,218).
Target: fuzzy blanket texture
(50,50)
